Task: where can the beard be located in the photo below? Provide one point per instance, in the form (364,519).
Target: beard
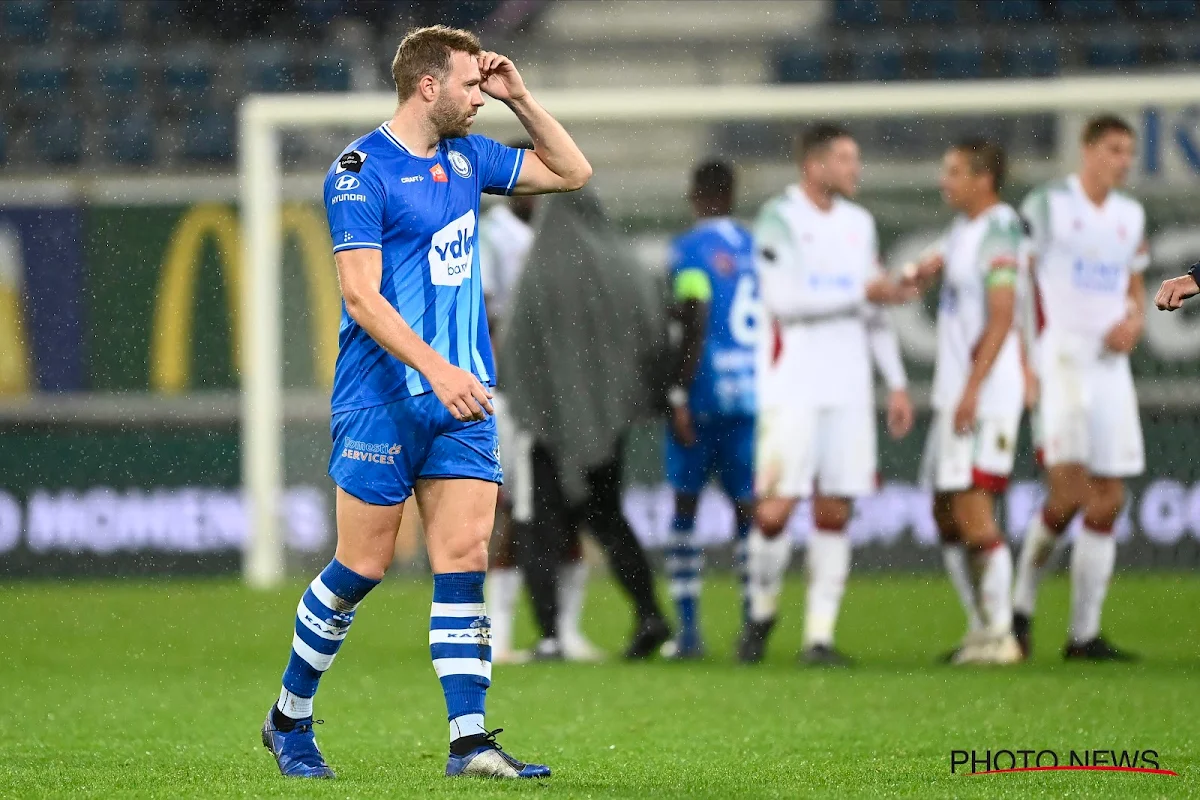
(449,121)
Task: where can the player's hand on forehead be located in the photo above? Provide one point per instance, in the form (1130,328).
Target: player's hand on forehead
(500,78)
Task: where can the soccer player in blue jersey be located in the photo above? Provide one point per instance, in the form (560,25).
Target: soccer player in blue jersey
(411,400)
(715,324)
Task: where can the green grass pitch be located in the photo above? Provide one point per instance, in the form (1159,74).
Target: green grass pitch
(157,689)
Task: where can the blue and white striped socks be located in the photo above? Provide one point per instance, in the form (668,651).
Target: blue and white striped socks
(322,620)
(460,643)
(684,562)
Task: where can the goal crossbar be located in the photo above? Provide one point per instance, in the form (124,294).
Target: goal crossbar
(262,117)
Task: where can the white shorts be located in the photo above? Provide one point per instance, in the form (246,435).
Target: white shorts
(982,459)
(800,449)
(1089,414)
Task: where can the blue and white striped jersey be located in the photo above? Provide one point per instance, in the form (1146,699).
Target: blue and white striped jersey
(421,213)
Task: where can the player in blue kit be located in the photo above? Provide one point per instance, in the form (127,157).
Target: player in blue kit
(411,400)
(715,324)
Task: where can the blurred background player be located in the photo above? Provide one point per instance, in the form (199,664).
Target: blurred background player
(505,236)
(978,393)
(715,323)
(818,266)
(583,364)
(1088,255)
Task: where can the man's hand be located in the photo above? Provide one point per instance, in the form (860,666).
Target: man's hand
(899,414)
(460,392)
(681,425)
(1173,292)
(885,291)
(964,415)
(1123,336)
(500,78)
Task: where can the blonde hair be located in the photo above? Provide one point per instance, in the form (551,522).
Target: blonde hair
(427,51)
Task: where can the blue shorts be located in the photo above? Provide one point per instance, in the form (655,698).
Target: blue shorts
(724,448)
(379,453)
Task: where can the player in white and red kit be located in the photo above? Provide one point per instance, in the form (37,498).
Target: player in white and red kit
(978,393)
(1088,255)
(819,275)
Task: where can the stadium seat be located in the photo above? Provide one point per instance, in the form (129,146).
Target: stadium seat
(1012,10)
(26,21)
(97,19)
(1076,10)
(188,77)
(1164,9)
(57,138)
(958,60)
(208,136)
(318,12)
(331,74)
(1036,58)
(942,12)
(269,72)
(1112,52)
(129,138)
(856,13)
(42,82)
(801,64)
(120,79)
(880,61)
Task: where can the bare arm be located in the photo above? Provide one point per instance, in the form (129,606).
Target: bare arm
(360,273)
(556,163)
(1001,301)
(1125,334)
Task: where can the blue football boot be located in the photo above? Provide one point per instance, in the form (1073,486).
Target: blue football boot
(296,751)
(489,760)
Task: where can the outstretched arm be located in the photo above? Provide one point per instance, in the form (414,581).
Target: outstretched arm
(556,163)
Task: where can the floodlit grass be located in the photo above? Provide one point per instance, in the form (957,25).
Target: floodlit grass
(158,689)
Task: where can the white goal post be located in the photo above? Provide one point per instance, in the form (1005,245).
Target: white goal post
(262,117)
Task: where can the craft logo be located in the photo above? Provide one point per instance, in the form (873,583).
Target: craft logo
(997,762)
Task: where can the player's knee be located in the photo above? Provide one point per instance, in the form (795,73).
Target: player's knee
(831,513)
(771,516)
(1105,499)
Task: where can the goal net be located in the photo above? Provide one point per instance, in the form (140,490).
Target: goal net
(642,143)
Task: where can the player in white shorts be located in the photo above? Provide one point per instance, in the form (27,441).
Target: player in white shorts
(505,236)
(978,392)
(1088,252)
(819,273)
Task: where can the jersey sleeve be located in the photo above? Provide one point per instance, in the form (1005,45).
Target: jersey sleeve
(354,204)
(689,278)
(499,165)
(1035,216)
(999,252)
(1141,257)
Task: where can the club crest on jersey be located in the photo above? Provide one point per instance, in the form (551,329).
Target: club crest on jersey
(351,162)
(459,163)
(439,174)
(451,252)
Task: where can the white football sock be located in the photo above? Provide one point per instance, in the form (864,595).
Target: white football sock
(294,706)
(501,590)
(828,566)
(954,556)
(766,561)
(572,585)
(993,587)
(1038,552)
(1092,560)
